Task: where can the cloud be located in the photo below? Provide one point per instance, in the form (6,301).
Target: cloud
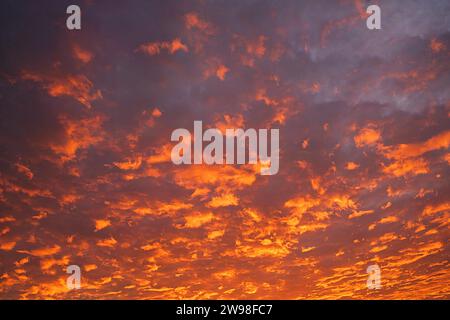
(87,177)
(78,87)
(154,48)
(43,252)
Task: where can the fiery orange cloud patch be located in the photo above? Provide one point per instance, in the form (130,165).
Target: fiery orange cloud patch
(215,68)
(351,165)
(197,219)
(223,201)
(360,213)
(385,220)
(436,46)
(130,164)
(7,246)
(221,72)
(78,87)
(257,48)
(48,263)
(24,170)
(42,252)
(430,210)
(101,224)
(79,134)
(249,50)
(111,242)
(403,151)
(227,121)
(193,21)
(156,113)
(367,136)
(409,166)
(90,267)
(82,55)
(154,48)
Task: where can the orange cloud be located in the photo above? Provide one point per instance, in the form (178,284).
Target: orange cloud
(193,21)
(302,204)
(154,48)
(129,164)
(78,87)
(357,214)
(80,134)
(351,166)
(249,49)
(7,246)
(367,136)
(24,170)
(197,220)
(101,224)
(111,242)
(81,54)
(223,200)
(159,208)
(90,267)
(432,209)
(436,46)
(48,263)
(214,67)
(221,72)
(42,252)
(403,151)
(388,219)
(408,166)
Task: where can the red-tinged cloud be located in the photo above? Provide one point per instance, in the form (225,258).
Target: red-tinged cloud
(193,21)
(78,87)
(81,54)
(155,48)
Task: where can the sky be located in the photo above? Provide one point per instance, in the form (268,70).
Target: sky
(86,176)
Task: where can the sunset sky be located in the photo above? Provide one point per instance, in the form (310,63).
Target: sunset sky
(85,171)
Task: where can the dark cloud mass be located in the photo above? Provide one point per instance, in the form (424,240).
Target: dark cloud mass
(85,170)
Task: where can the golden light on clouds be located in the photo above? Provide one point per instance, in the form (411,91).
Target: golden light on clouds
(87,177)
